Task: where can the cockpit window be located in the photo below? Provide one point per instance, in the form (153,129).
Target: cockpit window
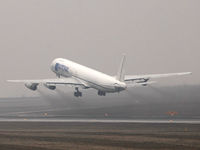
(61,67)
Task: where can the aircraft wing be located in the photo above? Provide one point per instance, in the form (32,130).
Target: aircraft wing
(145,78)
(65,81)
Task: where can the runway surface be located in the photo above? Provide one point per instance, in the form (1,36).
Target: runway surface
(116,124)
(102,120)
(98,135)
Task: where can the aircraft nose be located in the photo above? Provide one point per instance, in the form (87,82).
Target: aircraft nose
(53,66)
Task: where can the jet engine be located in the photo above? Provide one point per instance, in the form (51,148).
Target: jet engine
(51,87)
(32,86)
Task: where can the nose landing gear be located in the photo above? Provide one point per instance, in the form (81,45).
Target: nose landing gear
(77,93)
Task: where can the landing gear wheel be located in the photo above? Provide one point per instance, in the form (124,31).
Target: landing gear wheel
(101,93)
(77,93)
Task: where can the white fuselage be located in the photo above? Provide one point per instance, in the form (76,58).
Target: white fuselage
(88,76)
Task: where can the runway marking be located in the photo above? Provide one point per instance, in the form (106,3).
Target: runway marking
(101,121)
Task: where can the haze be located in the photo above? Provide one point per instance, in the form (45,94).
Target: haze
(157,37)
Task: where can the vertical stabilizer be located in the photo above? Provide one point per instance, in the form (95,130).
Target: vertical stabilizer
(120,73)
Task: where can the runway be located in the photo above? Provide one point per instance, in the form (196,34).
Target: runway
(29,123)
(102,121)
(97,135)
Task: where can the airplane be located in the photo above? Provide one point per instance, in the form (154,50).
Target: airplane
(79,76)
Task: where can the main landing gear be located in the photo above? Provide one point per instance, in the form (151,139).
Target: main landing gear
(101,93)
(77,93)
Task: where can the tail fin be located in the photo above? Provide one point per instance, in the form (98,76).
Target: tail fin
(120,73)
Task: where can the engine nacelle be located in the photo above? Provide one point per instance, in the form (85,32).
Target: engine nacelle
(32,86)
(51,87)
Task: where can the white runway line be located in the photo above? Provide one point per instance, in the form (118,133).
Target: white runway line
(102,121)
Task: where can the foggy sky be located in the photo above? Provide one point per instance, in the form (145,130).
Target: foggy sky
(157,37)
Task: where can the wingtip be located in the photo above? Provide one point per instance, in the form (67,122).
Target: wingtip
(186,73)
(12,80)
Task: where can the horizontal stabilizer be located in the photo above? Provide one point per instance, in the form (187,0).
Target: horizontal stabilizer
(140,84)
